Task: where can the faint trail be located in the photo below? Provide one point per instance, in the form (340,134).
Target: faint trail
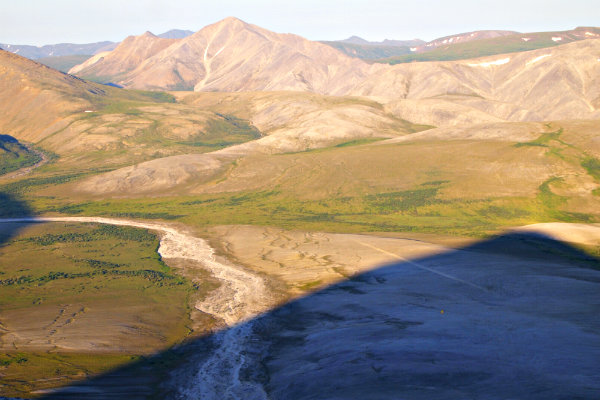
(421,266)
(240,297)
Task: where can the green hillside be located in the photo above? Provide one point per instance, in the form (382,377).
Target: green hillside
(369,52)
(14,155)
(488,47)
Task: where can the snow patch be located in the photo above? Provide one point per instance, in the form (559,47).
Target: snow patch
(445,41)
(537,59)
(556,38)
(590,34)
(490,63)
(413,49)
(525,39)
(89,111)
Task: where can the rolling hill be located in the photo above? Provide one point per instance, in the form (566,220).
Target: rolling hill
(358,47)
(457,47)
(14,155)
(405,49)
(554,83)
(35,99)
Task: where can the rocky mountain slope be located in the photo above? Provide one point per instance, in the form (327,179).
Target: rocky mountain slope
(127,56)
(555,83)
(230,55)
(34,97)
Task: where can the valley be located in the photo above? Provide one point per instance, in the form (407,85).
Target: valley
(242,214)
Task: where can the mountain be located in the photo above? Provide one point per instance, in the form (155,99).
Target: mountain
(368,51)
(355,40)
(127,56)
(485,43)
(554,83)
(230,55)
(462,38)
(70,49)
(34,97)
(358,47)
(64,63)
(61,49)
(176,34)
(38,102)
(386,42)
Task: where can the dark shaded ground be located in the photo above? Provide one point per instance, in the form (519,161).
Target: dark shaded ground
(11,206)
(513,317)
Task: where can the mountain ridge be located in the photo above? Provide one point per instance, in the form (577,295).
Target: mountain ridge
(265,60)
(232,56)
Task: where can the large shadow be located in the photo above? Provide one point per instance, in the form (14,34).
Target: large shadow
(513,317)
(12,207)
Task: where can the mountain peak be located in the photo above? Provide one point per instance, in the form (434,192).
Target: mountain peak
(355,40)
(231,21)
(176,34)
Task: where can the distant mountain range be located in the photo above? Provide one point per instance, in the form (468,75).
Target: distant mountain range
(232,56)
(458,47)
(69,49)
(487,43)
(358,47)
(386,42)
(57,50)
(175,34)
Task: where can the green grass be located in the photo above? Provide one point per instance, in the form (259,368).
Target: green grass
(543,140)
(225,131)
(102,269)
(358,142)
(14,155)
(479,48)
(156,96)
(30,184)
(420,209)
(592,166)
(24,372)
(368,52)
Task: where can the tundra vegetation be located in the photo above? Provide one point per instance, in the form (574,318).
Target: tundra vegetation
(64,282)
